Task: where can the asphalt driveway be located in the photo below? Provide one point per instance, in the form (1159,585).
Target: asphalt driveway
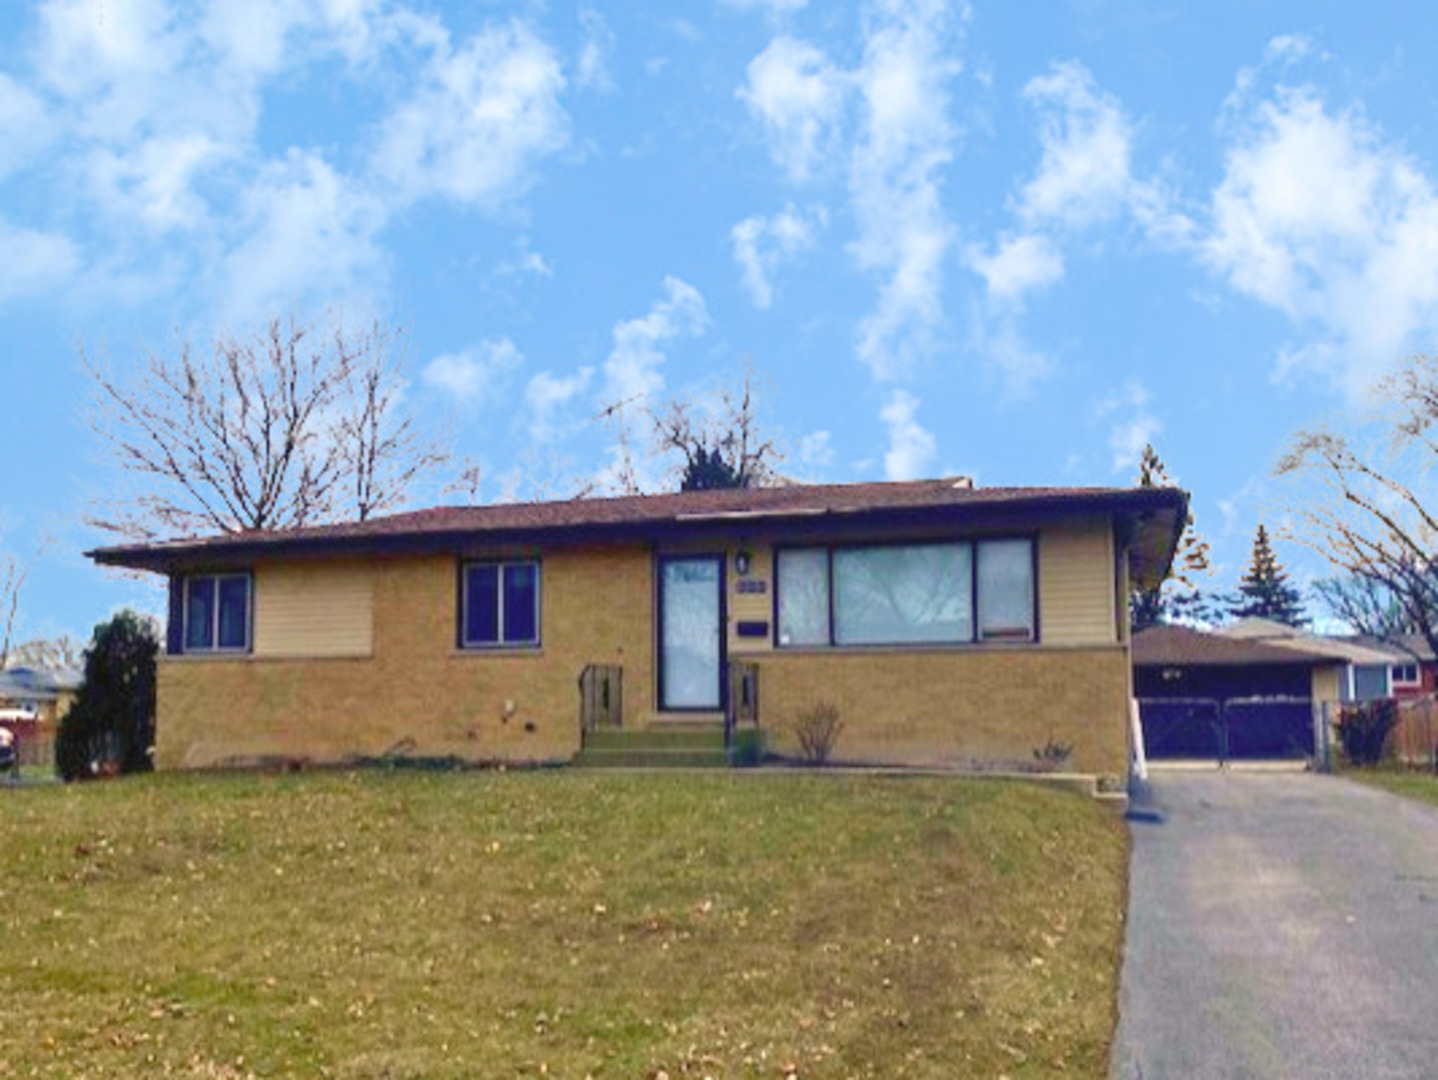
(1281,926)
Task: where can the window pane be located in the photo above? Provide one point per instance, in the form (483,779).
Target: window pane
(1006,590)
(200,613)
(913,593)
(803,584)
(521,602)
(689,634)
(234,612)
(481,610)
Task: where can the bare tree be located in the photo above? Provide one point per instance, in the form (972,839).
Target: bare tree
(13,574)
(1371,513)
(381,447)
(1367,606)
(716,440)
(293,425)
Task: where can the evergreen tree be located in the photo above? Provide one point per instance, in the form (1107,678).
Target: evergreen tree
(111,725)
(1265,591)
(1178,597)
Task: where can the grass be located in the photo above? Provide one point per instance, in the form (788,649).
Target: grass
(562,924)
(1412,783)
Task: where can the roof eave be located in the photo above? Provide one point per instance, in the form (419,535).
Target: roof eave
(1138,507)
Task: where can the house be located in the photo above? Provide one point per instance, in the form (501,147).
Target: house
(1413,671)
(32,700)
(1364,673)
(950,624)
(44,693)
(1217,695)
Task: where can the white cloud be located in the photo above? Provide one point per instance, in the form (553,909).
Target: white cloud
(816,449)
(1134,425)
(1322,219)
(631,370)
(797,94)
(1018,265)
(155,182)
(34,261)
(1016,363)
(906,140)
(774,8)
(911,447)
(474,375)
(310,233)
(593,69)
(1085,174)
(546,395)
(761,244)
(24,127)
(484,116)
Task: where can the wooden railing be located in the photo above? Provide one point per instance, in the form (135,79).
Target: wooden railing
(601,696)
(742,703)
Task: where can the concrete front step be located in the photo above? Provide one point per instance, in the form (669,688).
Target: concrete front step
(593,758)
(695,738)
(689,747)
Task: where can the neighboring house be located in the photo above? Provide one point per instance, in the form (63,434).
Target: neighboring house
(45,693)
(32,700)
(1412,672)
(949,624)
(1208,695)
(1365,672)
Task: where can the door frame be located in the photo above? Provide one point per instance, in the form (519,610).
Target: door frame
(660,561)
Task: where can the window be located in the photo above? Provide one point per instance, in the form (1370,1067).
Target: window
(217,613)
(907,594)
(1006,590)
(804,596)
(1405,674)
(500,605)
(903,594)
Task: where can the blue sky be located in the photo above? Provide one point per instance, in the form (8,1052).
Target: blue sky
(1009,240)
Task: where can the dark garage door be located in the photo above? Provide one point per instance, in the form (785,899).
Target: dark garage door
(1246,729)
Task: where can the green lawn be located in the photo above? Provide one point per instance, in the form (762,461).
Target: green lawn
(562,924)
(1413,783)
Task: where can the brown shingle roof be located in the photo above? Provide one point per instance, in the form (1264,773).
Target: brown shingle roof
(693,511)
(1180,646)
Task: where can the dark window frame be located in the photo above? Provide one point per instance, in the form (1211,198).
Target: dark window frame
(501,644)
(215,648)
(972,542)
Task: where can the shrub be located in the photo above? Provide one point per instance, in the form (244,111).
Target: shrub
(1052,755)
(817,728)
(111,726)
(746,747)
(1363,730)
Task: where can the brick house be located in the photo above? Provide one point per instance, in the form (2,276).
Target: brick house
(950,624)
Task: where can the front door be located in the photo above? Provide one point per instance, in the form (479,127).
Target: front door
(691,639)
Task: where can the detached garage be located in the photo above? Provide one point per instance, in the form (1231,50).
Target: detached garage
(1207,696)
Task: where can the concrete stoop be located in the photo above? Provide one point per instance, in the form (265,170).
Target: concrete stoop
(695,746)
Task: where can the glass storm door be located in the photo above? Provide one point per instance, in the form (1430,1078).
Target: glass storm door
(691,661)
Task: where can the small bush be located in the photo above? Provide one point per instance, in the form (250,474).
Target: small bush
(1363,730)
(1052,755)
(746,747)
(817,729)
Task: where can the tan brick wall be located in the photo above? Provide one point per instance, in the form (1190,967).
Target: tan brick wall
(984,708)
(596,608)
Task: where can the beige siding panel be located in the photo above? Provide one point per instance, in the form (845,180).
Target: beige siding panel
(750,606)
(314,610)
(1076,583)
